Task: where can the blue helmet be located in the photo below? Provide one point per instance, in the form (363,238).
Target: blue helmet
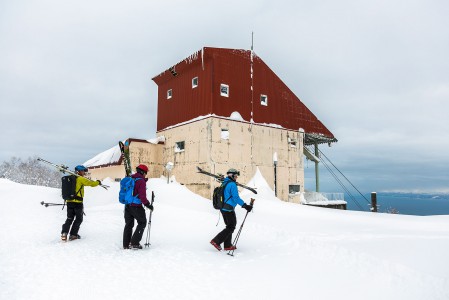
(81,168)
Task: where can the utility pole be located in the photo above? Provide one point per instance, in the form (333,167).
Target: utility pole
(374,202)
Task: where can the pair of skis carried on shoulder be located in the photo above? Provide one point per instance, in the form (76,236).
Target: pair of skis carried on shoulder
(221,177)
(64,169)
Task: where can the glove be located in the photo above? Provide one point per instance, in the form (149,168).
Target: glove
(247,207)
(99,182)
(149,206)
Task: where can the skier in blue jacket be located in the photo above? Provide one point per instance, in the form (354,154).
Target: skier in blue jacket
(231,199)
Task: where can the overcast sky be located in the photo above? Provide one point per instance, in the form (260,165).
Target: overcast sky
(75,76)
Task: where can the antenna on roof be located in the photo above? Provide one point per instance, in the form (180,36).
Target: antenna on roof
(252,40)
(252,92)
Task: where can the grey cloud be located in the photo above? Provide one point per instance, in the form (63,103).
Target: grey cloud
(75,77)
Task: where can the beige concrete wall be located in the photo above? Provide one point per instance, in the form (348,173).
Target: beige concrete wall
(149,155)
(113,172)
(140,153)
(197,152)
(248,147)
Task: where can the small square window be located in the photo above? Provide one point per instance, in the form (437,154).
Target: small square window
(291,142)
(264,100)
(224,134)
(224,90)
(294,188)
(179,146)
(169,94)
(194,82)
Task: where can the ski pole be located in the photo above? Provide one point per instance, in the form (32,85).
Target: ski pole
(47,204)
(147,244)
(240,230)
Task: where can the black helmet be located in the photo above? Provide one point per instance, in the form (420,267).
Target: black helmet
(233,171)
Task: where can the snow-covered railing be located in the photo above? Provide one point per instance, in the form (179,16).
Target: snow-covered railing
(324,198)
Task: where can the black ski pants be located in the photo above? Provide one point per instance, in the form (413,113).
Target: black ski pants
(133,213)
(225,236)
(74,215)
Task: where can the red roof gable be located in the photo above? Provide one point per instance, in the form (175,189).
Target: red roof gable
(214,67)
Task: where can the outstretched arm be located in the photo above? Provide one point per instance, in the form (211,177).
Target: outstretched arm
(235,195)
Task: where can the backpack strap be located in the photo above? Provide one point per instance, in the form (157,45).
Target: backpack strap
(135,179)
(224,187)
(79,192)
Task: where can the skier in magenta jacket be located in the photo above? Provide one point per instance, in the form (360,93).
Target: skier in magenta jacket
(135,211)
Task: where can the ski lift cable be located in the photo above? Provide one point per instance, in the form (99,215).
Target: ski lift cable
(335,175)
(342,185)
(338,180)
(344,176)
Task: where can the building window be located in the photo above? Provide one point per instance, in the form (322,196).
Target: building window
(224,90)
(293,188)
(179,147)
(224,134)
(169,93)
(291,142)
(194,82)
(264,100)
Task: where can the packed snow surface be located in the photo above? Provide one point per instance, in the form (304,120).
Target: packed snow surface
(285,251)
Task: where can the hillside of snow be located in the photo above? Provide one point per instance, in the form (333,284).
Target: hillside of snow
(286,251)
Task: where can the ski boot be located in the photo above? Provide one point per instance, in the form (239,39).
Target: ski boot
(213,243)
(135,247)
(73,237)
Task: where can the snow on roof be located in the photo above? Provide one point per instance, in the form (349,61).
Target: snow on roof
(109,156)
(189,121)
(112,155)
(235,116)
(157,140)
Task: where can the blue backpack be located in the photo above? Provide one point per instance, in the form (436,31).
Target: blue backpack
(125,196)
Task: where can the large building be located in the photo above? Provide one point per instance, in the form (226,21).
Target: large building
(222,108)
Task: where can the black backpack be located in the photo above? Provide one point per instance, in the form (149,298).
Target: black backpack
(218,196)
(68,188)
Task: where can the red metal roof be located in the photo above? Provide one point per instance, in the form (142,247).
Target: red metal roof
(216,66)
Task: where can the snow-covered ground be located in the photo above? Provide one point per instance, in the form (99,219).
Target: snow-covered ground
(286,251)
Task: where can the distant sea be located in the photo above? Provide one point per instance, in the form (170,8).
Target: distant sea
(404,203)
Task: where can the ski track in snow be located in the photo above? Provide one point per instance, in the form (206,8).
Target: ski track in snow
(286,251)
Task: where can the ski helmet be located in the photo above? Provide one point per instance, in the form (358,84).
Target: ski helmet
(233,171)
(81,168)
(143,168)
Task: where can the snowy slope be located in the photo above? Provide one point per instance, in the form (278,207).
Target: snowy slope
(286,251)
